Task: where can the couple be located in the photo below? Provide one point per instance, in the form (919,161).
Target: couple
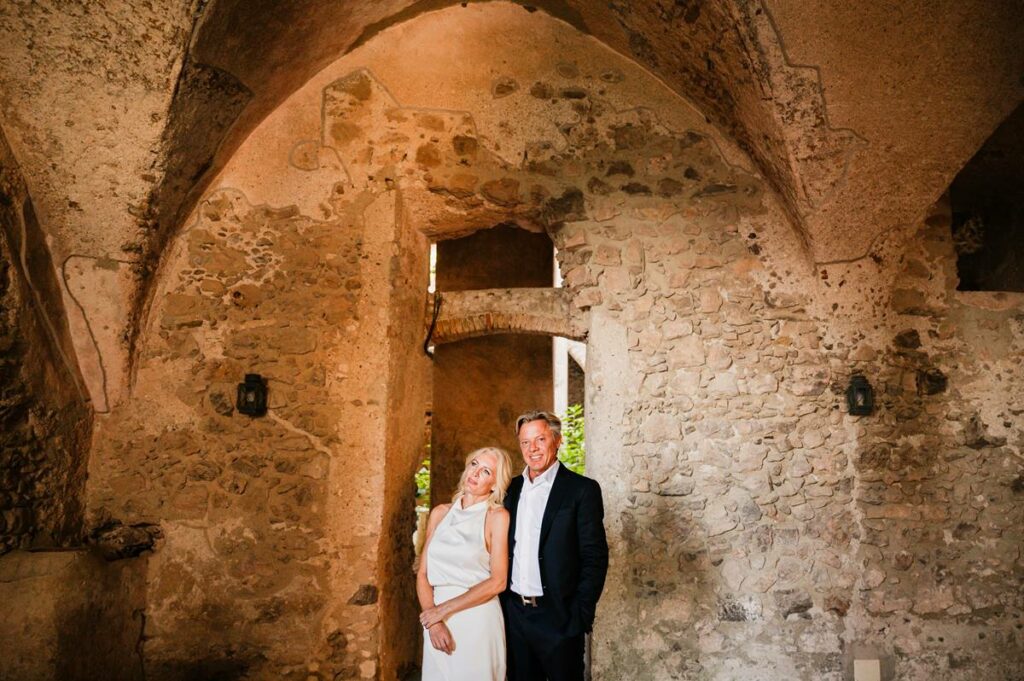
(541,548)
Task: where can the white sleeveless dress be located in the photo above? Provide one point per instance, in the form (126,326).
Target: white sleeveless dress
(457,559)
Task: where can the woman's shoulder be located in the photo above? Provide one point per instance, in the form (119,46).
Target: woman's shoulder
(438,512)
(498,513)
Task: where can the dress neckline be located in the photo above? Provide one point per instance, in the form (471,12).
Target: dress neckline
(458,505)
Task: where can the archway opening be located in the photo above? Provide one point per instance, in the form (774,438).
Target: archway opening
(480,385)
(987,204)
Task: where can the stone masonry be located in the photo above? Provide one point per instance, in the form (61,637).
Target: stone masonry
(45,421)
(755,527)
(730,267)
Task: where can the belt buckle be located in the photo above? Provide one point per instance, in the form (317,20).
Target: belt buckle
(529,600)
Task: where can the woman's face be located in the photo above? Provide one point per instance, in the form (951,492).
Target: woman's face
(480,474)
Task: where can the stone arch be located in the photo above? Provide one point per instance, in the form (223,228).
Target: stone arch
(758,70)
(306,262)
(734,53)
(471,314)
(224,94)
(723,445)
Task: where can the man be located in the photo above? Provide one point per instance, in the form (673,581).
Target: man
(558,557)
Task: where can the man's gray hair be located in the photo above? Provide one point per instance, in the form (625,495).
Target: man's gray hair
(553,421)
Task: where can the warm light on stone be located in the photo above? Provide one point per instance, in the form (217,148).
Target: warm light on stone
(749,202)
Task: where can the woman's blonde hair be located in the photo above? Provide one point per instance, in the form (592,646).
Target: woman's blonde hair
(502,474)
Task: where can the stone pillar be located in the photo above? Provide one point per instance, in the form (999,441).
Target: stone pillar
(372,498)
(286,545)
(481,385)
(610,385)
(570,359)
(408,385)
(560,357)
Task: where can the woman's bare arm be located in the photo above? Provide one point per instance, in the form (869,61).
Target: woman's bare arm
(425,592)
(496,528)
(438,633)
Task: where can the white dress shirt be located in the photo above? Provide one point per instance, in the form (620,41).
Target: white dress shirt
(533,498)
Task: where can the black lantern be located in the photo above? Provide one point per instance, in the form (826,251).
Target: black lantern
(859,396)
(252,395)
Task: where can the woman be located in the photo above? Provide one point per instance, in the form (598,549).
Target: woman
(463,569)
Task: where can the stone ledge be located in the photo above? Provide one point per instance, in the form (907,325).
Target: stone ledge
(537,311)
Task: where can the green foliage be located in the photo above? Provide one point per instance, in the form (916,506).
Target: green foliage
(422,478)
(573,452)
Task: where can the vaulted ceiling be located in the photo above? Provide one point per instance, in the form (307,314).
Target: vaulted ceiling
(858,114)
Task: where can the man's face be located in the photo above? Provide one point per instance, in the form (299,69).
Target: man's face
(539,446)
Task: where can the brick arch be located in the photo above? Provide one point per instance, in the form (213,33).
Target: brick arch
(537,311)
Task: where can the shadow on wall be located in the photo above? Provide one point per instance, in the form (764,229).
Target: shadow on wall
(987,200)
(208,669)
(45,415)
(73,615)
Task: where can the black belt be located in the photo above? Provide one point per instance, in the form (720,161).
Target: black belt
(531,601)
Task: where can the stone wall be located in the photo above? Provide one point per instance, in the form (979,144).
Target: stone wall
(273,526)
(940,476)
(45,417)
(71,615)
(286,542)
(757,530)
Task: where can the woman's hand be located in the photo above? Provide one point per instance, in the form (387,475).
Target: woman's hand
(432,616)
(441,637)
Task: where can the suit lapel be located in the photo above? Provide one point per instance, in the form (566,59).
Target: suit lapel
(514,490)
(555,499)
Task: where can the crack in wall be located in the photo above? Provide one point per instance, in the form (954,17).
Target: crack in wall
(317,443)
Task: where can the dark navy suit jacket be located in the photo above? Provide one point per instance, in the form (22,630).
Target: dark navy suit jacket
(573,548)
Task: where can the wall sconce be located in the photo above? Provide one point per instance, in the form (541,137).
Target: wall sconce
(860,397)
(252,395)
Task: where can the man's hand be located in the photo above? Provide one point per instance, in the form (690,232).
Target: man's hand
(441,638)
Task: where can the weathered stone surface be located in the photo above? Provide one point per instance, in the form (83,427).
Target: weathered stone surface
(468,314)
(789,603)
(739,267)
(366,595)
(688,352)
(117,541)
(71,615)
(661,427)
(45,417)
(258,488)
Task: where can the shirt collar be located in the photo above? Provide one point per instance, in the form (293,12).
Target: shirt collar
(545,478)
